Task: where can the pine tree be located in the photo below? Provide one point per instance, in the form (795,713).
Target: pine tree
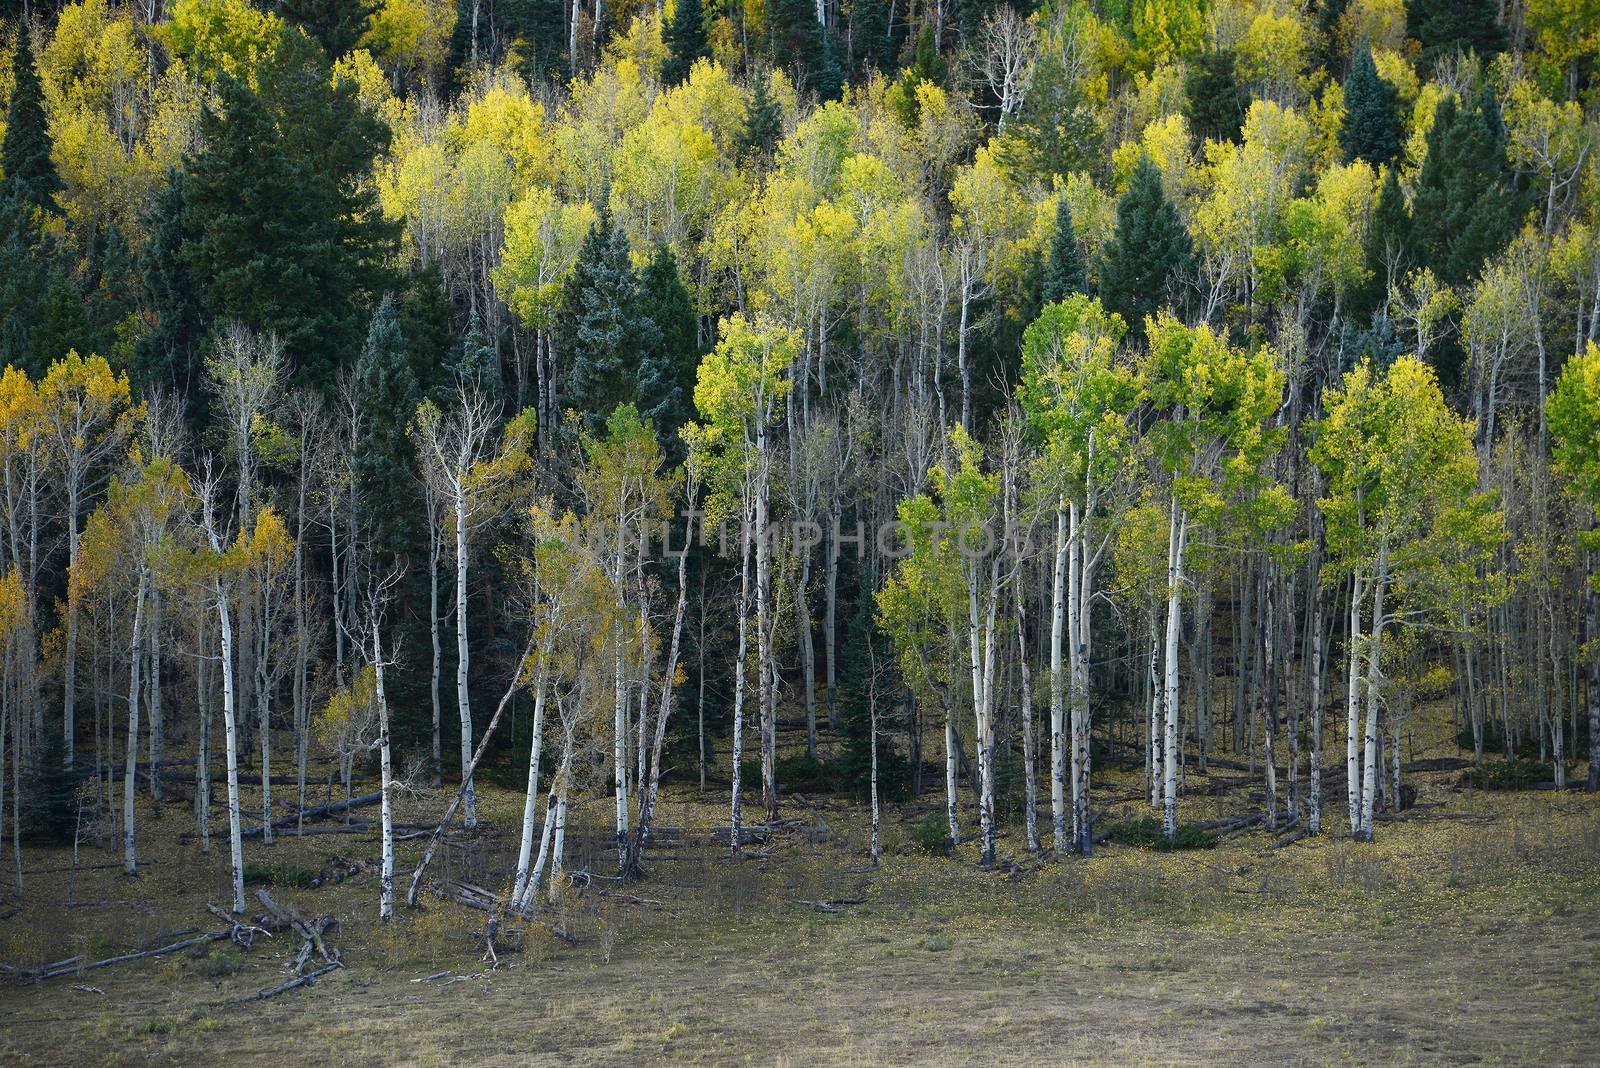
(1063,273)
(60,326)
(383,459)
(27,173)
(286,232)
(1056,132)
(1445,27)
(1214,102)
(1389,247)
(796,40)
(1149,254)
(426,320)
(604,329)
(763,125)
(1371,128)
(168,354)
(667,370)
(685,41)
(337,25)
(473,360)
(1466,196)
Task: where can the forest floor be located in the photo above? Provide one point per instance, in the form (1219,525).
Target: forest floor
(1468,933)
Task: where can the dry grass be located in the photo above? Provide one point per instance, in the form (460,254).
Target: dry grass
(1447,941)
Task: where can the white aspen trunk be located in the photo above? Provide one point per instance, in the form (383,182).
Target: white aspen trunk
(1270,712)
(1074,577)
(1353,708)
(736,800)
(1177,533)
(1082,720)
(531,802)
(433,634)
(386,877)
(1058,742)
(231,733)
(1369,762)
(950,778)
(157,735)
(530,891)
(830,619)
(764,679)
(130,862)
(469,814)
(619,739)
(558,842)
(1318,647)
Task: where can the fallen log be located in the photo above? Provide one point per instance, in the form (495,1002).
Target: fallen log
(74,968)
(310,930)
(304,980)
(331,809)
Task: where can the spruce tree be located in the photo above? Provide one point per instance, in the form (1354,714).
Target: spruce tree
(168,354)
(286,234)
(603,325)
(474,361)
(1149,254)
(1467,200)
(29,175)
(763,126)
(667,371)
(1371,129)
(1214,102)
(383,461)
(427,320)
(685,41)
(1389,247)
(1063,273)
(1446,27)
(796,41)
(337,25)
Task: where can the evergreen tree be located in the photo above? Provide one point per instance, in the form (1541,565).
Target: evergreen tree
(872,39)
(1466,195)
(286,234)
(382,458)
(685,41)
(763,126)
(1149,254)
(538,27)
(1056,131)
(426,320)
(1371,128)
(27,174)
(337,25)
(1388,247)
(168,354)
(667,371)
(61,325)
(796,40)
(110,302)
(1214,102)
(1445,27)
(605,329)
(1063,273)
(475,361)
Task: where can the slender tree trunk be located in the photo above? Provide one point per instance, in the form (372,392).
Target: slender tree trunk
(386,877)
(1177,533)
(157,737)
(231,732)
(736,800)
(438,649)
(1058,741)
(530,804)
(1370,770)
(463,698)
(1353,707)
(130,863)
